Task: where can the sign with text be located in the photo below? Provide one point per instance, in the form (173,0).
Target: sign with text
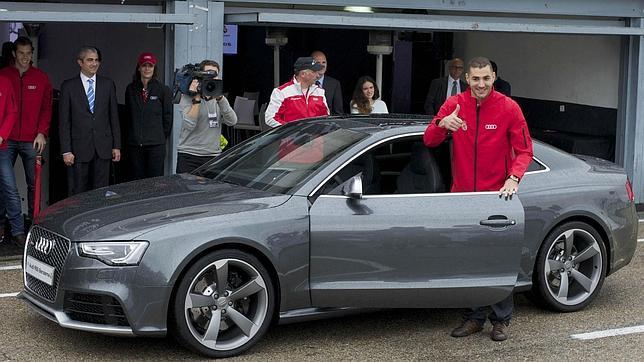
(230,39)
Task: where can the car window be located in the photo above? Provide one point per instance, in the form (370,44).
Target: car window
(281,159)
(535,166)
(402,166)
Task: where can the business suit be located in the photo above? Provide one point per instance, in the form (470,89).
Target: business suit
(333,94)
(438,94)
(90,137)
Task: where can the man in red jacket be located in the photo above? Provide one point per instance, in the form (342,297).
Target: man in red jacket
(492,149)
(298,98)
(28,137)
(8,193)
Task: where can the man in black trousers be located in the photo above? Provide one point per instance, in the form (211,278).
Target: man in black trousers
(331,86)
(89,125)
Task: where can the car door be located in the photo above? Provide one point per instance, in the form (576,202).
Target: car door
(415,250)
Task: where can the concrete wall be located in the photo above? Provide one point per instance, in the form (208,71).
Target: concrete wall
(568,68)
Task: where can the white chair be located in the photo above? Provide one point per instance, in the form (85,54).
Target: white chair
(255,96)
(245,119)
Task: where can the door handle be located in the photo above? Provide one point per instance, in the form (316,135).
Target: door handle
(497,223)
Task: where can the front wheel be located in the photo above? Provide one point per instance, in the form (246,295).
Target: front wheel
(570,268)
(223,304)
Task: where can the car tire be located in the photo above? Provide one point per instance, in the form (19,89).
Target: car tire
(235,288)
(570,267)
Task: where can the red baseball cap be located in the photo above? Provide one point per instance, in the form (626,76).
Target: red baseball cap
(147,58)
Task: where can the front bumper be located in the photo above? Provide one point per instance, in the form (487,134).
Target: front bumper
(85,294)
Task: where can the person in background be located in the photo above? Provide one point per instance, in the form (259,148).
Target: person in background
(501,85)
(200,137)
(298,98)
(8,190)
(90,135)
(33,93)
(442,88)
(331,86)
(149,103)
(492,149)
(366,97)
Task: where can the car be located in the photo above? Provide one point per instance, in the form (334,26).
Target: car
(319,218)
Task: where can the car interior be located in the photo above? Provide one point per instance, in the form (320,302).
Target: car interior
(401,166)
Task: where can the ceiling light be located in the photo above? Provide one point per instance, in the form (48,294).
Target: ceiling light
(358,9)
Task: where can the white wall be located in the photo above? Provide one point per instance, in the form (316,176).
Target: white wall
(569,68)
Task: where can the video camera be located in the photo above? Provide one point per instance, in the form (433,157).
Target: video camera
(208,85)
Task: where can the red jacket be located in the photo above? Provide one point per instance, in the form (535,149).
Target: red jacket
(289,103)
(8,110)
(495,145)
(33,98)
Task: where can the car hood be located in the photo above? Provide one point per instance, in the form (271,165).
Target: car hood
(126,210)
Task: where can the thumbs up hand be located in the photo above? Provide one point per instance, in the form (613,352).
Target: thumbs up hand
(453,122)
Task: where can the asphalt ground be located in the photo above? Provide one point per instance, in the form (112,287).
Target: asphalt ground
(409,334)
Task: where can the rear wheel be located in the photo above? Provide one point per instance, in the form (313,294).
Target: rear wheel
(570,268)
(223,304)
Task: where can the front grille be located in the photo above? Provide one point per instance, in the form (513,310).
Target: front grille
(95,309)
(54,257)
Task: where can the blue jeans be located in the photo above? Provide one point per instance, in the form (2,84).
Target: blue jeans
(9,195)
(501,312)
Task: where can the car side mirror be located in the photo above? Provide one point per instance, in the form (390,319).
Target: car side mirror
(353,187)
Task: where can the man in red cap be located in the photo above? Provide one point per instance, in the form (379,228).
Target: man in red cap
(150,109)
(28,137)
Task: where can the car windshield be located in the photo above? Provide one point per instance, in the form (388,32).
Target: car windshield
(282,158)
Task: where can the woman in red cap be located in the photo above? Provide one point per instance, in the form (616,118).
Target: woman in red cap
(149,103)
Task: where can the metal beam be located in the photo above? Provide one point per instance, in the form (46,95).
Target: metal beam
(86,17)
(79,7)
(600,8)
(431,22)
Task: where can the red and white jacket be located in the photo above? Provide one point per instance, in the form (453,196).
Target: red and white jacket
(33,93)
(289,103)
(495,144)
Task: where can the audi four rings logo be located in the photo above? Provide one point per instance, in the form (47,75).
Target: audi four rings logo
(44,245)
(490,126)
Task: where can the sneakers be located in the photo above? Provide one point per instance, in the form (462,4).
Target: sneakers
(467,328)
(499,332)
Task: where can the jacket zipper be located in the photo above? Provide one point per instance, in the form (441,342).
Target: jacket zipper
(140,95)
(476,141)
(22,95)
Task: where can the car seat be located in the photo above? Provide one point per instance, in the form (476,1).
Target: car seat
(421,174)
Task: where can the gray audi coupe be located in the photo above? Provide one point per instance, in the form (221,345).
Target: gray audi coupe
(318,218)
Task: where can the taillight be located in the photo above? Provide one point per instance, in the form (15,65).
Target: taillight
(629,191)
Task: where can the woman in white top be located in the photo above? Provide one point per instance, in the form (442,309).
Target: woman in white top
(366,97)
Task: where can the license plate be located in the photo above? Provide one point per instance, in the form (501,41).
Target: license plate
(40,270)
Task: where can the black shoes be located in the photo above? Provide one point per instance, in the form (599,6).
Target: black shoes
(20,240)
(499,331)
(467,328)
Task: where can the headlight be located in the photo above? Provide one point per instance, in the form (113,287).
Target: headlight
(114,252)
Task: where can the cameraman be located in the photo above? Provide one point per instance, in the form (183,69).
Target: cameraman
(201,127)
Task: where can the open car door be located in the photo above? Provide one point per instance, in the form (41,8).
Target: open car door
(414,250)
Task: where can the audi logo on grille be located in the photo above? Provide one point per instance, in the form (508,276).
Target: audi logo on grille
(44,245)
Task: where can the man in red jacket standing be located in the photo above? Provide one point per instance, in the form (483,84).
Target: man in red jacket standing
(8,113)
(492,149)
(28,137)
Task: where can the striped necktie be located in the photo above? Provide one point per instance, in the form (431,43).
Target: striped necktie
(90,94)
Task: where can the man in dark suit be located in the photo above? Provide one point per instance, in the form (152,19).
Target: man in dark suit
(89,126)
(442,88)
(331,86)
(501,85)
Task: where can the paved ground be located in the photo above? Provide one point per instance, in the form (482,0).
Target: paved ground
(535,334)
